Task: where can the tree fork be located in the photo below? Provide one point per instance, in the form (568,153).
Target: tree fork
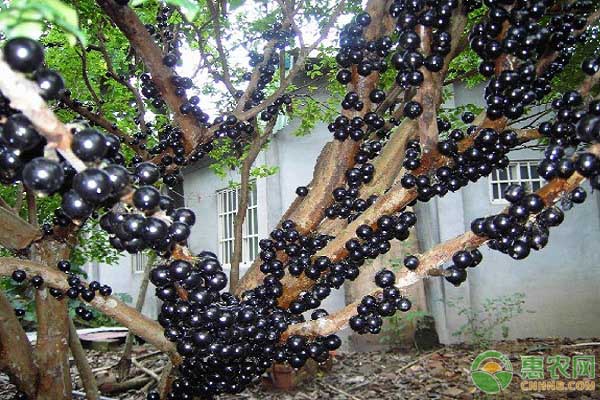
(335,158)
(134,30)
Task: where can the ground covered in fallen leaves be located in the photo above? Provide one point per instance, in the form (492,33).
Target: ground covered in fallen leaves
(439,374)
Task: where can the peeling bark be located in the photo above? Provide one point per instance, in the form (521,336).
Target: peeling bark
(16,233)
(52,346)
(335,158)
(16,353)
(430,262)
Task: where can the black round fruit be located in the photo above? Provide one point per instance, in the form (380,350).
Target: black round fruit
(93,185)
(23,54)
(89,145)
(301,191)
(43,175)
(50,83)
(20,134)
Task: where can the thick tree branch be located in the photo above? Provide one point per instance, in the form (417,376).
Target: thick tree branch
(140,325)
(429,96)
(52,345)
(139,38)
(429,263)
(120,79)
(16,355)
(333,162)
(16,233)
(24,96)
(400,197)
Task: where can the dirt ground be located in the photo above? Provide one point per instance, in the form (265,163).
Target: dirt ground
(439,374)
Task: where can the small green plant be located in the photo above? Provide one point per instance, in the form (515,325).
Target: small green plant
(398,323)
(495,314)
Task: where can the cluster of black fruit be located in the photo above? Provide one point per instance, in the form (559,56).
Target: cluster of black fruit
(409,58)
(348,203)
(357,127)
(572,124)
(267,64)
(369,243)
(164,32)
(488,151)
(76,289)
(298,248)
(20,142)
(461,260)
(527,38)
(371,309)
(135,232)
(368,57)
(150,91)
(226,341)
(524,226)
(169,147)
(192,106)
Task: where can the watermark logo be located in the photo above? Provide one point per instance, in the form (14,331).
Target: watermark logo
(575,373)
(491,372)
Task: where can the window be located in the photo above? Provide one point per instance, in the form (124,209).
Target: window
(227,206)
(518,172)
(282,121)
(138,262)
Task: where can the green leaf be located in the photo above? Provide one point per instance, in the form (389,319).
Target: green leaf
(25,18)
(189,8)
(31,30)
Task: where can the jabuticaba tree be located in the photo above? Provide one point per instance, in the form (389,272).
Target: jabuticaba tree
(88,143)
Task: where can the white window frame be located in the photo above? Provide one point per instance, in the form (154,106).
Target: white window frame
(255,210)
(494,178)
(138,262)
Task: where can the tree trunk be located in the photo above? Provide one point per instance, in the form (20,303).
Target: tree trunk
(124,364)
(16,355)
(52,348)
(255,147)
(238,225)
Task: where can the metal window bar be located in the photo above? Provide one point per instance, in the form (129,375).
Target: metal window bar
(138,262)
(518,172)
(227,206)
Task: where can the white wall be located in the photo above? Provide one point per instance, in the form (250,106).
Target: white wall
(121,277)
(295,157)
